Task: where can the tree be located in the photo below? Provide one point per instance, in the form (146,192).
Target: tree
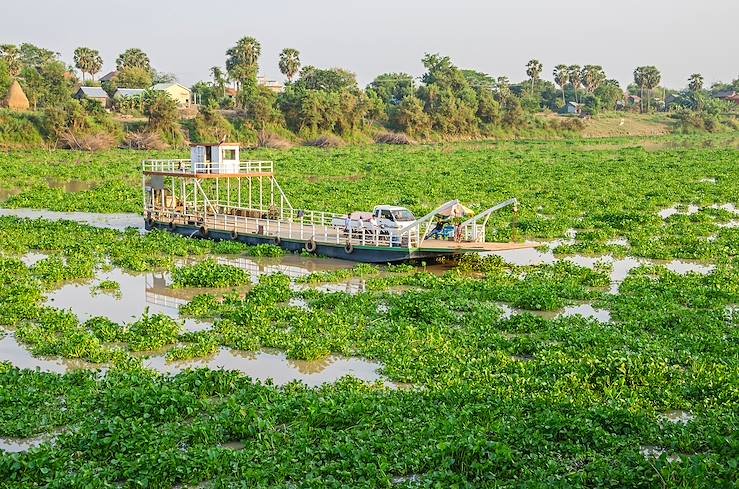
(573,73)
(647,77)
(5,79)
(241,61)
(132,77)
(533,70)
(219,80)
(411,118)
(87,61)
(133,58)
(330,80)
(35,56)
(592,77)
(289,63)
(392,88)
(11,55)
(695,82)
(608,94)
(161,110)
(503,84)
(561,78)
(639,81)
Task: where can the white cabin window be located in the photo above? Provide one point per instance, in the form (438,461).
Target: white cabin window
(229,154)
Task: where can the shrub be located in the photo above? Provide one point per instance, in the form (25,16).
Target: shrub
(326,141)
(393,138)
(146,140)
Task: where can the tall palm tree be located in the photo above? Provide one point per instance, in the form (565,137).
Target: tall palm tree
(87,61)
(573,73)
(95,63)
(289,63)
(533,70)
(133,58)
(695,82)
(639,80)
(561,78)
(592,76)
(651,77)
(241,61)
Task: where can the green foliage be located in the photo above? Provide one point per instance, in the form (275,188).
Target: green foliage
(208,273)
(152,332)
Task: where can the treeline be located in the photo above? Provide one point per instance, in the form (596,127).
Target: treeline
(61,120)
(320,104)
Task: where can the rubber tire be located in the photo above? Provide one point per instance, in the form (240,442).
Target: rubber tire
(348,248)
(203,231)
(310,246)
(278,241)
(234,234)
(149,222)
(171,226)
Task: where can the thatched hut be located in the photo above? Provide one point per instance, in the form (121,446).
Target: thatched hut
(16,99)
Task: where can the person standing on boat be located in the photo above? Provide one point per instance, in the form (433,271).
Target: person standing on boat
(373,225)
(347,223)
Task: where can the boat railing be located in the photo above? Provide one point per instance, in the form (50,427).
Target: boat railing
(288,229)
(189,167)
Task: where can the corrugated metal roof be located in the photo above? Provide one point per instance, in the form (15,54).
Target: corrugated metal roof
(164,86)
(128,92)
(93,92)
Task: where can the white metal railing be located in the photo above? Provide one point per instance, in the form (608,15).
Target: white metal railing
(189,167)
(288,229)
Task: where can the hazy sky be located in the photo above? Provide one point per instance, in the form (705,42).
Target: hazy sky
(187,37)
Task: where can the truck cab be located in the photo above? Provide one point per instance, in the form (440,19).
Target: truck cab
(393,217)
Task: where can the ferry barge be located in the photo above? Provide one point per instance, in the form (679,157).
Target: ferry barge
(215,195)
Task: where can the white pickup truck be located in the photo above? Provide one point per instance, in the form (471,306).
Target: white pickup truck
(387,216)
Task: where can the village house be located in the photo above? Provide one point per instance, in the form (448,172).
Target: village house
(729,96)
(108,76)
(179,93)
(272,85)
(93,93)
(573,107)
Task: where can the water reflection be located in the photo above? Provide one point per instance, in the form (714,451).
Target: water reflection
(16,445)
(17,355)
(274,365)
(111,221)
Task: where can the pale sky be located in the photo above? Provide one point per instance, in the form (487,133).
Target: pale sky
(187,37)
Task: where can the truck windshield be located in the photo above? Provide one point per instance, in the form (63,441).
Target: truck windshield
(403,215)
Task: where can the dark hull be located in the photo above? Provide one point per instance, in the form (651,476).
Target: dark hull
(365,254)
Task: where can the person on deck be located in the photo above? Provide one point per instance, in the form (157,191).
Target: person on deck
(347,223)
(437,231)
